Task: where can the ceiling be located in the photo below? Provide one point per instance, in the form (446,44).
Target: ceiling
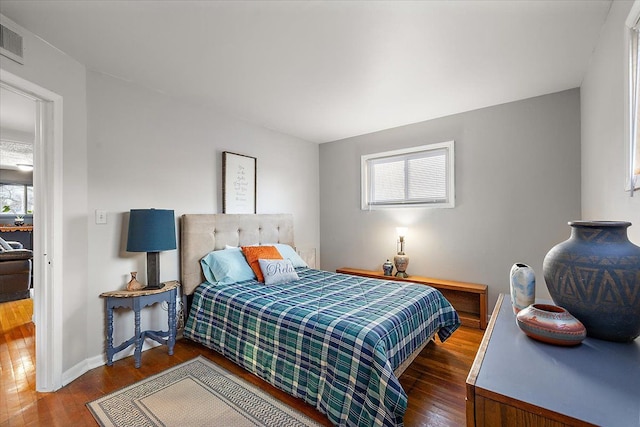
(328,70)
(17,129)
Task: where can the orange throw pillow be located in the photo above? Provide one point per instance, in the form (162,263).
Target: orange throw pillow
(254,253)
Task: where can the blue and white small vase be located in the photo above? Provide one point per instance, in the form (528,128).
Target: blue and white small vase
(522,283)
(387,267)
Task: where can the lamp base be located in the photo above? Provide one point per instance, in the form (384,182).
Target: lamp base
(153,271)
(402,262)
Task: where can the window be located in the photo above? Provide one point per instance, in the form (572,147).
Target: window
(419,176)
(17,198)
(633,104)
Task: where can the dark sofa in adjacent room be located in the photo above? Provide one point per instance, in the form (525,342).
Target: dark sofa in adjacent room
(15,271)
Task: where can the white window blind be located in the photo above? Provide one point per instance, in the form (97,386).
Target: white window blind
(419,176)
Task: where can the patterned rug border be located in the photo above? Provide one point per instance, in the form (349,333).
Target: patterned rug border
(123,400)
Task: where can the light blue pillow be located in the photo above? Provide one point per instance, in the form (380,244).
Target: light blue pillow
(277,271)
(289,253)
(226,266)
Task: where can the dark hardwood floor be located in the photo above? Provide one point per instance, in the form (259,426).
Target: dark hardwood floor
(435,381)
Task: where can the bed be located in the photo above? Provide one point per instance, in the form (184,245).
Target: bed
(336,341)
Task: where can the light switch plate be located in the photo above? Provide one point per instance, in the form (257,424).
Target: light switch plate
(101,216)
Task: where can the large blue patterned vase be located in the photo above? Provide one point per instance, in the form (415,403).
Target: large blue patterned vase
(595,275)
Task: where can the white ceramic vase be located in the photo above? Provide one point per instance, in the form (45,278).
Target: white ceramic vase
(522,283)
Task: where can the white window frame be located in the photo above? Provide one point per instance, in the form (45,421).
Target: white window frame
(632,106)
(365,179)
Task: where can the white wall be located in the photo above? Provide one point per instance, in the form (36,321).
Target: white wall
(517,186)
(126,147)
(603,135)
(51,69)
(148,150)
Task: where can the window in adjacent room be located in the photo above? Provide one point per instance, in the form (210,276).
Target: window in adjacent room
(633,104)
(17,198)
(418,176)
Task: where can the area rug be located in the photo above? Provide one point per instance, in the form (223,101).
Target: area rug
(194,393)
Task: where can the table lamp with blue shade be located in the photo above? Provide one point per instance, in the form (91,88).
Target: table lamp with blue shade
(151,231)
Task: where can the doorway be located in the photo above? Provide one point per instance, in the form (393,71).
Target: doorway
(17,133)
(47,227)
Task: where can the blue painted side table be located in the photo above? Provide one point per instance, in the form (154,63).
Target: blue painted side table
(137,300)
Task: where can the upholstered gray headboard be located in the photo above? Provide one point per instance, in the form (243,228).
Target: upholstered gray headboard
(203,233)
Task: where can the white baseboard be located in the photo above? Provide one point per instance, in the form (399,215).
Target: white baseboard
(90,363)
(75,371)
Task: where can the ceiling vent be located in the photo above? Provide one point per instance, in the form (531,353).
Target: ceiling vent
(11,44)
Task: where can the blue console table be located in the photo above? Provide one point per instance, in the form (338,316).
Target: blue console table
(137,300)
(518,381)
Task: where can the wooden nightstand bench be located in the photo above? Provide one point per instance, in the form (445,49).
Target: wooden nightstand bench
(469,299)
(137,300)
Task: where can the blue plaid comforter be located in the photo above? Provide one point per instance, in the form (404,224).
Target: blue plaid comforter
(330,339)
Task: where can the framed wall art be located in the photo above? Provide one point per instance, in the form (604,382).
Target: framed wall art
(238,183)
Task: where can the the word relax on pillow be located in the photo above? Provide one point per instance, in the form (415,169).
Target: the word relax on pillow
(277,271)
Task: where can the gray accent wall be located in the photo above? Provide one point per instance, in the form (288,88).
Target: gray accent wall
(517,186)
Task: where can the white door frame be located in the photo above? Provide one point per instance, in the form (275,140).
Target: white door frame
(48,230)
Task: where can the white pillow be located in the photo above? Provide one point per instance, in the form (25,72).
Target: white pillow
(4,246)
(238,247)
(277,271)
